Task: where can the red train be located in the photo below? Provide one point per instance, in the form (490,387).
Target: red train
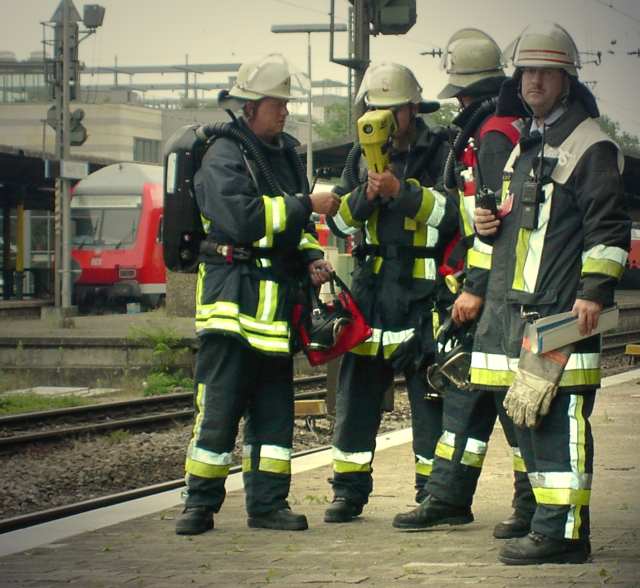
(116,216)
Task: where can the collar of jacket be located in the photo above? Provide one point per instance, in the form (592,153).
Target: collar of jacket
(424,135)
(462,119)
(556,133)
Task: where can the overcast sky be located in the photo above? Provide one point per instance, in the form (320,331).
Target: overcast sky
(142,32)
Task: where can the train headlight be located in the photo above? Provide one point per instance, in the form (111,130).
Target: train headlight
(127,273)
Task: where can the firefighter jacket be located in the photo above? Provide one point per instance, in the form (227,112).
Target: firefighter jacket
(483,159)
(252,299)
(577,247)
(395,278)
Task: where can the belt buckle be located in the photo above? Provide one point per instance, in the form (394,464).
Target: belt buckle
(528,316)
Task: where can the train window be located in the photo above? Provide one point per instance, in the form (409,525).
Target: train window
(111,228)
(160,228)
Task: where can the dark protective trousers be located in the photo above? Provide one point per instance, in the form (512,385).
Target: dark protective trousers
(559,458)
(237,381)
(362,384)
(468,421)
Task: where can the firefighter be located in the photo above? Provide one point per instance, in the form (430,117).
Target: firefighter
(474,64)
(404,224)
(560,245)
(257,249)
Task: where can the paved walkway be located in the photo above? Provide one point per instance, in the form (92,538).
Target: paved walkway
(146,552)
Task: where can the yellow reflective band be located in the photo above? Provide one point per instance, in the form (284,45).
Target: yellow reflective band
(206,470)
(580,377)
(410,224)
(268,301)
(274,466)
(267,240)
(371,228)
(562,496)
(472,459)
(439,207)
(308,241)
(279,212)
(370,346)
(377,265)
(477,259)
(420,235)
(424,268)
(522,247)
(424,469)
(574,522)
(267,344)
(232,310)
(444,451)
(602,266)
(246,464)
(518,464)
(490,377)
(606,252)
(465,214)
(427,203)
(347,467)
(344,219)
(577,435)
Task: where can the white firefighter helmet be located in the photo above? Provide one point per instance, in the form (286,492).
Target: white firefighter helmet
(270,76)
(387,85)
(471,55)
(546,45)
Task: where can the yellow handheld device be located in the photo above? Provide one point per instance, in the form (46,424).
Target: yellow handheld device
(375,130)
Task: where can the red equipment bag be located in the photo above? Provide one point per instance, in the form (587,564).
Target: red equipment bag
(326,330)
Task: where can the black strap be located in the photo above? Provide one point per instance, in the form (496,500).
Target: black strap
(390,251)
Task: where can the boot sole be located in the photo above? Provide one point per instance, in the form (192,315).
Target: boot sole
(258,524)
(563,558)
(451,521)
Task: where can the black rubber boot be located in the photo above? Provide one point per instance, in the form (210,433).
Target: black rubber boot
(535,549)
(517,525)
(279,520)
(432,512)
(342,510)
(194,520)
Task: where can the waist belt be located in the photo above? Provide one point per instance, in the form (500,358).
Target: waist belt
(213,252)
(391,251)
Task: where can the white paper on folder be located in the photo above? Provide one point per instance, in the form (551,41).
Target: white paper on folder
(550,332)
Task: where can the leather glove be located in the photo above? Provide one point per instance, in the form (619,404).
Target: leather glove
(536,384)
(529,399)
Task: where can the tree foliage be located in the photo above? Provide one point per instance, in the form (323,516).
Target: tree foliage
(335,125)
(442,117)
(630,144)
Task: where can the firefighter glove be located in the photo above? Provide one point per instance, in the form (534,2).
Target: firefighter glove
(529,398)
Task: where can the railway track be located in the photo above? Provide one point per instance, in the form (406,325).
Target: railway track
(23,429)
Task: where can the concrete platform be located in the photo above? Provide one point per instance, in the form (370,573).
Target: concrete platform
(146,552)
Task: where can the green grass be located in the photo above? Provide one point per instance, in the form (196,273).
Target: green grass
(164,383)
(30,402)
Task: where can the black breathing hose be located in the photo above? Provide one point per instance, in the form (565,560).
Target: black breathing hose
(351,165)
(235,133)
(485,108)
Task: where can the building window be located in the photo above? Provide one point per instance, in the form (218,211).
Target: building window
(146,150)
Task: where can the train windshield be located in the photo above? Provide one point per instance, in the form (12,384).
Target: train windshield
(108,222)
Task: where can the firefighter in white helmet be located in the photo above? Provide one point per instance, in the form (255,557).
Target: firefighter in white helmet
(255,206)
(564,215)
(404,222)
(475,68)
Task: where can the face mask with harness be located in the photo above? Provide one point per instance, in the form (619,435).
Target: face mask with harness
(453,357)
(329,329)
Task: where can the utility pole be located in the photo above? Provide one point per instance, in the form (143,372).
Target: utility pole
(65,77)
